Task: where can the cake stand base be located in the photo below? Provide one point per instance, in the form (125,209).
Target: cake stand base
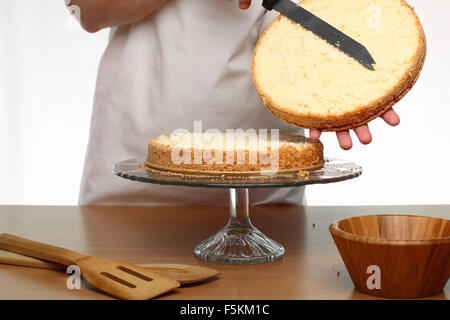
(239,242)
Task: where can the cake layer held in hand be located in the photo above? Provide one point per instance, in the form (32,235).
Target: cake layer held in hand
(307,82)
(233,152)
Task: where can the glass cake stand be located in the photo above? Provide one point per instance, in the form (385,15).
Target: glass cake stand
(239,242)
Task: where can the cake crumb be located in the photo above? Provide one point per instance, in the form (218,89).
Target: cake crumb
(302,174)
(313,225)
(338,274)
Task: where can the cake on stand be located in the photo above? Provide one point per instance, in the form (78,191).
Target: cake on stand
(239,242)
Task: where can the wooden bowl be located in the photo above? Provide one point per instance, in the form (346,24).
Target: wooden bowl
(412,253)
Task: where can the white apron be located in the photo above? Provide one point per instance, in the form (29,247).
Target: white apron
(189,61)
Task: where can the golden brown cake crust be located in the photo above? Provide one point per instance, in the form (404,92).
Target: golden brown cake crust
(362,115)
(290,158)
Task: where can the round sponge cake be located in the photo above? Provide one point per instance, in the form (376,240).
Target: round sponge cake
(239,153)
(307,82)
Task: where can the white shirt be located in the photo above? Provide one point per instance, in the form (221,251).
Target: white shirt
(188,61)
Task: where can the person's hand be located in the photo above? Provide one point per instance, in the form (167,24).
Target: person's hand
(362,132)
(244,4)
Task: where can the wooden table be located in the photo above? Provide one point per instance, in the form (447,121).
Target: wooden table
(310,269)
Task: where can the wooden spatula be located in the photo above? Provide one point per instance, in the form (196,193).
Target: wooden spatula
(15,259)
(183,273)
(121,280)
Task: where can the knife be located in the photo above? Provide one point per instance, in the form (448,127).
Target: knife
(324,30)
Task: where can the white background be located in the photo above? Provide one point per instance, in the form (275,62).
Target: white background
(48,70)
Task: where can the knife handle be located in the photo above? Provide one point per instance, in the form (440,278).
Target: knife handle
(268,4)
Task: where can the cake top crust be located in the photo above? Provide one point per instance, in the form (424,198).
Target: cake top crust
(232,141)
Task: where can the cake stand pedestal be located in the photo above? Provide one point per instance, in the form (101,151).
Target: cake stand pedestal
(239,242)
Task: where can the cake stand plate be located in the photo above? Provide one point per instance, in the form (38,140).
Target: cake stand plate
(239,242)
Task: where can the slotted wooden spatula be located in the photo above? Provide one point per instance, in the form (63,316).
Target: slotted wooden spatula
(121,280)
(183,273)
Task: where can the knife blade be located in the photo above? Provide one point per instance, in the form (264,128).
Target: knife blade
(322,29)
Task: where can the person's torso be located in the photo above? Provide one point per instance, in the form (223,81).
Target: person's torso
(189,61)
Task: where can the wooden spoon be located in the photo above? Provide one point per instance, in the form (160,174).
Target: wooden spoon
(183,273)
(121,280)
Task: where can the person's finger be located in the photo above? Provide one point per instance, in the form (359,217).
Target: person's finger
(315,134)
(345,141)
(244,4)
(363,134)
(391,118)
